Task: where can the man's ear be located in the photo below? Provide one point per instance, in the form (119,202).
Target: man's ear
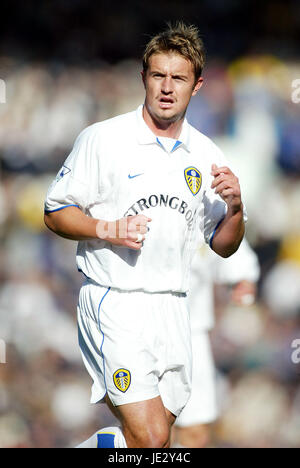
(197,86)
(143,74)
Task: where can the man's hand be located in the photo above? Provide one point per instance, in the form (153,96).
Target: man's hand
(230,232)
(126,232)
(226,184)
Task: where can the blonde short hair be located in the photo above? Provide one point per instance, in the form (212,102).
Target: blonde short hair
(181,39)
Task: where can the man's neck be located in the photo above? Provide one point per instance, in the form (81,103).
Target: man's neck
(163,128)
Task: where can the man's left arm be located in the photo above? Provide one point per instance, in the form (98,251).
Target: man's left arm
(230,232)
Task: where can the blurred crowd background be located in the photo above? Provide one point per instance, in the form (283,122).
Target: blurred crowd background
(67,64)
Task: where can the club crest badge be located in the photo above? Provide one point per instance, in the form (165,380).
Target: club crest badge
(122,379)
(193,179)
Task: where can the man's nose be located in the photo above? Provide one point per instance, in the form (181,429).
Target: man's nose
(167,85)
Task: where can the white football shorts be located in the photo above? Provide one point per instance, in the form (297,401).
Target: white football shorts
(202,405)
(135,345)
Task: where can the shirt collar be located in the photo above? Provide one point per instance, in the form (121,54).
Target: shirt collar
(146,136)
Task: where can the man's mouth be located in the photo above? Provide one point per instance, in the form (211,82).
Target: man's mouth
(166,102)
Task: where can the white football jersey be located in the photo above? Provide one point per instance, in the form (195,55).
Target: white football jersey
(120,168)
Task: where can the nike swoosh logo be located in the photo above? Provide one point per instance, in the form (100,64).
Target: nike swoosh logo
(133,176)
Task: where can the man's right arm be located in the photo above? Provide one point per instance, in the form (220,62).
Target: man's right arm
(72,223)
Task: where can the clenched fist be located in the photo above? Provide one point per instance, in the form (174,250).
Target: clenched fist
(126,232)
(226,184)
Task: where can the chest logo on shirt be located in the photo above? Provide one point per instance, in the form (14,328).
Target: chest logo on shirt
(133,176)
(193,179)
(122,379)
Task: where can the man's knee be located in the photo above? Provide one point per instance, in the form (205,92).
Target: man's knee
(151,437)
(145,424)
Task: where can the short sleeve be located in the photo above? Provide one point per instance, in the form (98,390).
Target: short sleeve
(214,212)
(76,183)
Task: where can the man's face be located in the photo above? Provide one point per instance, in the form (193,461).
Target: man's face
(169,82)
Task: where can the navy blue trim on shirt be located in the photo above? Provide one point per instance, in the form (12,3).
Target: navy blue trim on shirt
(213,234)
(61,208)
